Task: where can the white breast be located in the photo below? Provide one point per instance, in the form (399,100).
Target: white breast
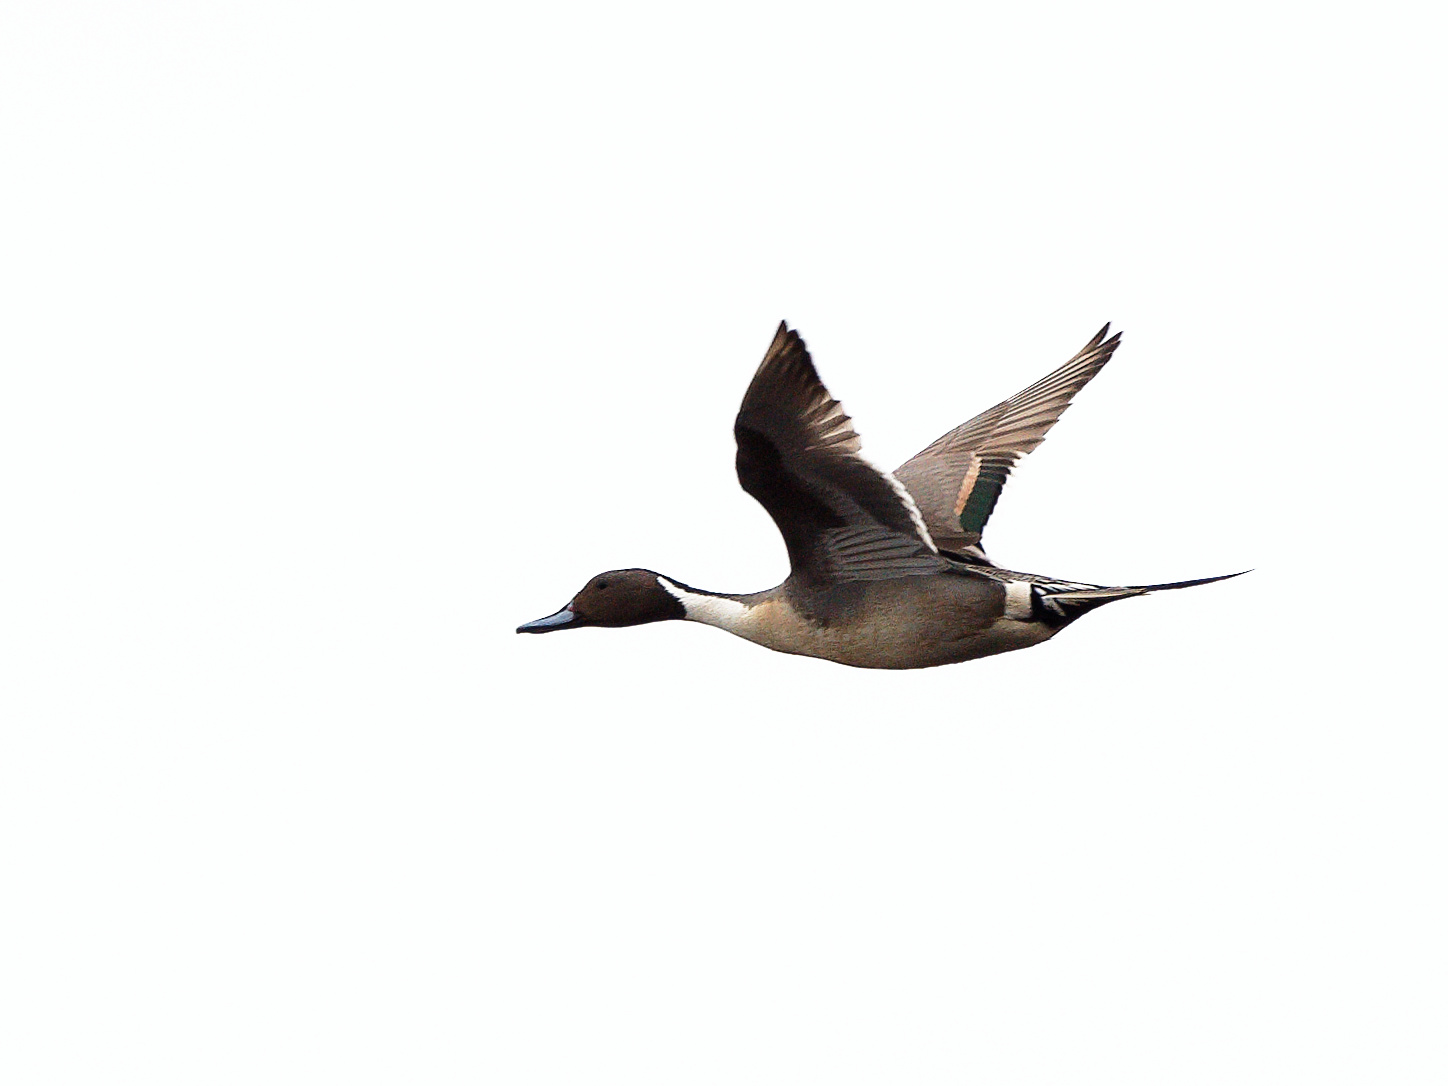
(770,623)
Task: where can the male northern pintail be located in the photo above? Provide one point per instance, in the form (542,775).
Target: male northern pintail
(885,570)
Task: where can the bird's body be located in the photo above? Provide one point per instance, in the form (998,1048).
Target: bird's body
(906,622)
(886,569)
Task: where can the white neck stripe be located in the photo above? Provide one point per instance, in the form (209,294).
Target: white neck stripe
(718,611)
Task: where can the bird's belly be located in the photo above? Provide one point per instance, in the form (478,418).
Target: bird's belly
(1005,635)
(885,640)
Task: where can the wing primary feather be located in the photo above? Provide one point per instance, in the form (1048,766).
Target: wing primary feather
(957,479)
(799,456)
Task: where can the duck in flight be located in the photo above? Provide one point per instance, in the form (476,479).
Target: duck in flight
(886,570)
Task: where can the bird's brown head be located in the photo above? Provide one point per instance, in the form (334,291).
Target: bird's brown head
(620,597)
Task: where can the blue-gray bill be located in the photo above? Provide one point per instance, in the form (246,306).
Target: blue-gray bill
(553,622)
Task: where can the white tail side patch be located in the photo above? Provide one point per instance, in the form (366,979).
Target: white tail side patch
(718,611)
(1018,600)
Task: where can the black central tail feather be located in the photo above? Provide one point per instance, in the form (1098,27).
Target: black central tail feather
(1189,584)
(1059,603)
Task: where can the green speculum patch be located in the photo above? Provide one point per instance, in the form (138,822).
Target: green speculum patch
(982,500)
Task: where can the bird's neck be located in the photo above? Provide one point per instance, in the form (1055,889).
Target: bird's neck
(721,609)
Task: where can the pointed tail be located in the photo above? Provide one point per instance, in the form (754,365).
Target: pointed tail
(1074,602)
(1105,594)
(1187,584)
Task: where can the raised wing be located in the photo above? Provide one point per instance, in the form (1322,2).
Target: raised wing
(957,479)
(842,518)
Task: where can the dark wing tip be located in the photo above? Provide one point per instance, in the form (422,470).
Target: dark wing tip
(791,336)
(786,365)
(1101,340)
(787,342)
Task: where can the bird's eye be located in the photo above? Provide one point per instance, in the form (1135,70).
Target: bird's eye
(602,585)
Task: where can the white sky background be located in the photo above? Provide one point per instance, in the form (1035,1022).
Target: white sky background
(339,339)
